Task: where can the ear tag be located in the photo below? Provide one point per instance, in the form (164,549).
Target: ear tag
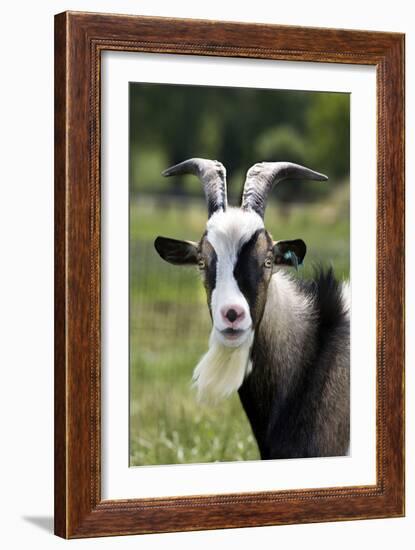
(292,257)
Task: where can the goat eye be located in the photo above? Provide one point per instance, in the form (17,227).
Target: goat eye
(268,262)
(201,264)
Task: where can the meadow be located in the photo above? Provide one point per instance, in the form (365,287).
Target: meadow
(170,325)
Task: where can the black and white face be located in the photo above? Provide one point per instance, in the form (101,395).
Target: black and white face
(235,256)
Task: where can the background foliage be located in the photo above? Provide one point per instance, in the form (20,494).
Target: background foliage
(169,322)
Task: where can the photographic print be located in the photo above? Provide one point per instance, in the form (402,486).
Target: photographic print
(239,274)
(219,188)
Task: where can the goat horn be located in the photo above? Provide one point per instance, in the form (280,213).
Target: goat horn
(211,173)
(262,177)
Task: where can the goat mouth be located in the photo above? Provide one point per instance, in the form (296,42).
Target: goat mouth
(232,333)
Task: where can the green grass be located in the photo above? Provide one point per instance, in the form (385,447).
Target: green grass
(170,325)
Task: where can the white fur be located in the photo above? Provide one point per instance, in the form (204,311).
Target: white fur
(227,232)
(284,306)
(222,369)
(286,323)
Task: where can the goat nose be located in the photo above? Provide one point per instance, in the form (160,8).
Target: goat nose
(233,313)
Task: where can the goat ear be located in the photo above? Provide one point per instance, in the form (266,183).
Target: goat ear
(289,252)
(176,252)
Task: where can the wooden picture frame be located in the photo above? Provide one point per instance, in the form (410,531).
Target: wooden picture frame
(79,40)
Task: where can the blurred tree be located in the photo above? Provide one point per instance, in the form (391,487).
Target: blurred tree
(284,142)
(328,129)
(239,126)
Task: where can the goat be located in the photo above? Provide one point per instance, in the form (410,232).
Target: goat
(281,342)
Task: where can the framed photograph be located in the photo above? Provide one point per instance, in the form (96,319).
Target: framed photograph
(229,275)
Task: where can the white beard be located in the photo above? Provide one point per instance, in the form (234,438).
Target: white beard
(222,369)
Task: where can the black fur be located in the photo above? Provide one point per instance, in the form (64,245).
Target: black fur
(207,253)
(211,272)
(298,404)
(249,270)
